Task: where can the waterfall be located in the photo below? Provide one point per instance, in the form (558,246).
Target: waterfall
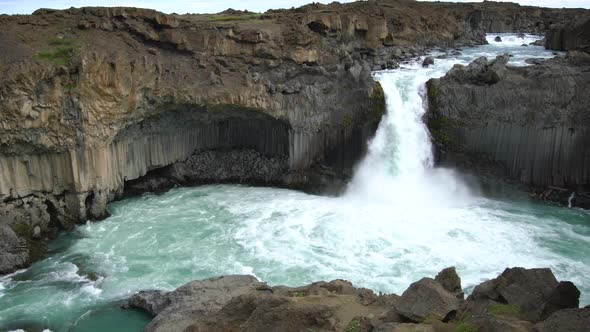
(399,166)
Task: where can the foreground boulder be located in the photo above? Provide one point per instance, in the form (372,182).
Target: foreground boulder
(427,299)
(567,320)
(512,302)
(530,294)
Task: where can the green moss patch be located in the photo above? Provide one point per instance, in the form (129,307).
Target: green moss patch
(354,325)
(505,310)
(22,230)
(377,102)
(63,52)
(465,327)
(439,128)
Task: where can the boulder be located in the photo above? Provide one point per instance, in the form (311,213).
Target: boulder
(450,280)
(428,61)
(152,301)
(524,290)
(567,320)
(178,309)
(566,295)
(427,299)
(498,39)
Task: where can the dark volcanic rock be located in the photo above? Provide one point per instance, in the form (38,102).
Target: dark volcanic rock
(527,123)
(529,293)
(450,280)
(565,295)
(232,303)
(177,310)
(570,35)
(498,39)
(241,303)
(567,320)
(427,298)
(428,61)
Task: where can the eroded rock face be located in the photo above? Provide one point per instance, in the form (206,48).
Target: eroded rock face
(526,123)
(14,253)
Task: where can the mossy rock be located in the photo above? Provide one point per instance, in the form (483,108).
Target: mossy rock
(506,310)
(465,327)
(347,121)
(377,97)
(24,231)
(440,128)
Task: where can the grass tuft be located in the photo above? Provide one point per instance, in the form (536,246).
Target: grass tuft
(63,52)
(505,310)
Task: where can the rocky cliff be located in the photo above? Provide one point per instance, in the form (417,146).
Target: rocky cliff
(94,101)
(532,123)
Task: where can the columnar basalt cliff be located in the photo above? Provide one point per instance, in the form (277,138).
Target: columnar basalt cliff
(532,122)
(94,99)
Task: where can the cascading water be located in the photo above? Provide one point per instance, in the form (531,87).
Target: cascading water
(399,167)
(401,219)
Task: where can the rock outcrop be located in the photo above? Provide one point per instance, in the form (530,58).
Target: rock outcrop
(528,123)
(570,35)
(512,302)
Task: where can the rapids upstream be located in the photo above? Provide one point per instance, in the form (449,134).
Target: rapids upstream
(401,219)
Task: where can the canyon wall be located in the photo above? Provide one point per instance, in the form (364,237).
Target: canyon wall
(93,101)
(532,123)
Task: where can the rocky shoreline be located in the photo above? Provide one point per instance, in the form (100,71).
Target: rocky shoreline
(517,300)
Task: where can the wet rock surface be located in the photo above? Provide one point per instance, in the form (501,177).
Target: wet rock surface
(242,303)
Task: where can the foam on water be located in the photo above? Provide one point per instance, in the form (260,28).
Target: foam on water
(400,220)
(509,39)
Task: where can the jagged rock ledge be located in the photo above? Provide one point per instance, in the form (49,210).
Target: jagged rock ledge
(518,300)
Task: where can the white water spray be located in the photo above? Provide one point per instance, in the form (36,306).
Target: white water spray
(570,199)
(399,167)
